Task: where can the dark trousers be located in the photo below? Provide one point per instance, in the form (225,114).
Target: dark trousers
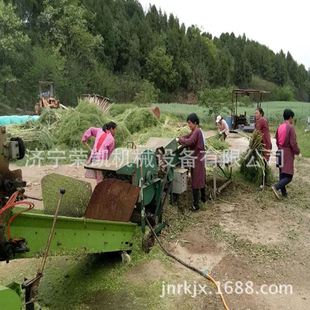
(196,197)
(223,136)
(284,180)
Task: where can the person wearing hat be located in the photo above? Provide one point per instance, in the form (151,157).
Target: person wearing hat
(222,127)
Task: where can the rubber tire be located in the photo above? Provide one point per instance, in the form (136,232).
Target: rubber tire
(21,147)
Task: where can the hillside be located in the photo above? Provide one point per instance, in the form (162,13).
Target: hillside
(115,49)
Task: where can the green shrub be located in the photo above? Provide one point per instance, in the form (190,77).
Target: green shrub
(147,95)
(276,93)
(215,100)
(284,93)
(5,109)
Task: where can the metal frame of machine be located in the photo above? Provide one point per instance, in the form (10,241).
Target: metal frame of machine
(24,233)
(147,168)
(241,120)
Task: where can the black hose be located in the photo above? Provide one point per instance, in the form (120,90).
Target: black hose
(208,277)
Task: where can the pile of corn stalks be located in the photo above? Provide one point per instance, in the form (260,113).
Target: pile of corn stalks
(252,163)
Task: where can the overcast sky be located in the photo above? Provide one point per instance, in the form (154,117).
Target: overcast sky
(278,24)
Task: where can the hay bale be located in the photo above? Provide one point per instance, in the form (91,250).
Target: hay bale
(75,200)
(138,119)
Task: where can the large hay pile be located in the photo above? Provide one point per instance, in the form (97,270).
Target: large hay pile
(60,128)
(39,134)
(139,119)
(74,123)
(63,129)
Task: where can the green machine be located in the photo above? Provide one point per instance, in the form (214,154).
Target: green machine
(136,184)
(154,168)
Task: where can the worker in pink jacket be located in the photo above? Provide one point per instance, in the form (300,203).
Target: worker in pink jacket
(102,148)
(287,149)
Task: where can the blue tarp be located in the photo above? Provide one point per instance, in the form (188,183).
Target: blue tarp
(17,119)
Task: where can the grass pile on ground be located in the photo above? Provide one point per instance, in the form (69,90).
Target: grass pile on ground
(119,108)
(215,143)
(62,128)
(140,119)
(38,137)
(252,164)
(74,122)
(38,134)
(161,130)
(122,135)
(50,117)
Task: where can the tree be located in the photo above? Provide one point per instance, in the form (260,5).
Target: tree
(243,72)
(224,68)
(64,23)
(111,47)
(280,69)
(46,65)
(12,44)
(160,70)
(292,69)
(147,95)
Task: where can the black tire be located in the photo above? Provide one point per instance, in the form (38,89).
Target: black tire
(21,147)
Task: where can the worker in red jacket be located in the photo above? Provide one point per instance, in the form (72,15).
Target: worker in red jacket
(262,126)
(195,142)
(287,149)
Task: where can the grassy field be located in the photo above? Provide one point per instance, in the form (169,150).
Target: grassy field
(273,109)
(303,139)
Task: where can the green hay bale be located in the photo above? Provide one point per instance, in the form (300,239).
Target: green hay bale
(75,200)
(139,119)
